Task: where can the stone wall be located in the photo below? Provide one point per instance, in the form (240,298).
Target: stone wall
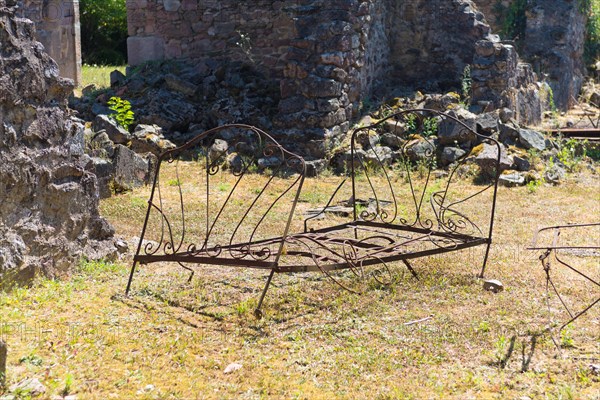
(57,28)
(434,38)
(255,31)
(552,42)
(499,80)
(327,55)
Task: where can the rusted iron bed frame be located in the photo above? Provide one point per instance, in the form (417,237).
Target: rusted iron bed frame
(377,235)
(551,251)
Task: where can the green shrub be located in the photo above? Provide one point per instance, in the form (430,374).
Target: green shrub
(514,19)
(466,84)
(122,111)
(591,51)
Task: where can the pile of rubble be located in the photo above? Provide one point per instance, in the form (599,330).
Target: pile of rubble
(174,101)
(181,97)
(526,154)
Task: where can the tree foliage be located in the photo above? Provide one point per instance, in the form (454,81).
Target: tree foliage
(592,40)
(103,31)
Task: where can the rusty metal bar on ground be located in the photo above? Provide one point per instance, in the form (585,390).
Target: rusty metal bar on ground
(591,134)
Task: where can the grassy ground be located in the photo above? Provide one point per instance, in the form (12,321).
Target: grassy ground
(171,339)
(98,75)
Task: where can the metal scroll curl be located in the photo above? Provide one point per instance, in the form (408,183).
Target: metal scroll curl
(415,130)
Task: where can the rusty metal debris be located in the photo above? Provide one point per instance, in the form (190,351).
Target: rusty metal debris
(590,134)
(558,246)
(430,219)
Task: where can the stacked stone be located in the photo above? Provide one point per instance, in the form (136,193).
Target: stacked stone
(433,40)
(255,31)
(553,43)
(500,80)
(494,69)
(321,71)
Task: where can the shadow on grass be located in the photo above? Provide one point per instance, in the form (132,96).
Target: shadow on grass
(528,344)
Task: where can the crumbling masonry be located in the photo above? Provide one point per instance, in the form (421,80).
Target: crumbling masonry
(329,55)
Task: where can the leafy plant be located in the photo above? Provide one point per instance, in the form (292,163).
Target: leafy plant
(360,208)
(591,49)
(566,338)
(591,151)
(245,44)
(122,111)
(223,187)
(533,185)
(551,103)
(466,83)
(500,346)
(569,155)
(31,359)
(68,385)
(483,327)
(429,126)
(534,157)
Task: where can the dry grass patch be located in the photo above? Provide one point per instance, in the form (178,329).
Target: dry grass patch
(316,341)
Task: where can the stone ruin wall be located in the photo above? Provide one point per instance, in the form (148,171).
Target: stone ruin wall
(167,29)
(329,55)
(406,40)
(57,28)
(434,39)
(552,43)
(49,214)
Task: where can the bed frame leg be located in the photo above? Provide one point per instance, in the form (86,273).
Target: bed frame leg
(189,269)
(257,312)
(485,258)
(130,278)
(411,269)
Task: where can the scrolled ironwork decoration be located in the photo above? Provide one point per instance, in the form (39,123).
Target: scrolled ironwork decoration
(376,236)
(416,144)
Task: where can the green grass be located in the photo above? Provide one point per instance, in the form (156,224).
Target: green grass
(316,341)
(98,75)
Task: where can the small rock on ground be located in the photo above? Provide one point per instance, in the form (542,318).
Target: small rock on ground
(32,386)
(232,368)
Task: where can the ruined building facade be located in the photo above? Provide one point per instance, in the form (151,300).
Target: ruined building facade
(329,55)
(57,28)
